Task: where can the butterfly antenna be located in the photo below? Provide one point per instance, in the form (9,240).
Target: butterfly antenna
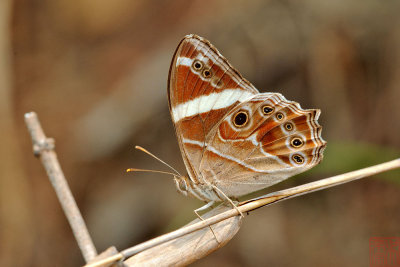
(143,170)
(157,158)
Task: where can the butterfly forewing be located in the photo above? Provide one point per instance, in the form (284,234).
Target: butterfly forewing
(203,87)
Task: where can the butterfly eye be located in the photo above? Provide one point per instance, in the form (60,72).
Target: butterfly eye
(289,126)
(296,142)
(279,116)
(181,184)
(240,119)
(299,159)
(197,65)
(207,73)
(266,110)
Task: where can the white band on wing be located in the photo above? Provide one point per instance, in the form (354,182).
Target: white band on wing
(184,61)
(206,103)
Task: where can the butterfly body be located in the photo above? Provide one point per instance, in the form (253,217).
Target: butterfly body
(234,140)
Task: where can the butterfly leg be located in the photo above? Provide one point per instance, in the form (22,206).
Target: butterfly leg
(206,206)
(209,204)
(229,200)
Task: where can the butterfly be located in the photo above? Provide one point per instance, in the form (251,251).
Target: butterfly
(234,140)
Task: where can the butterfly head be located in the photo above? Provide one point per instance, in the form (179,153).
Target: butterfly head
(182,184)
(203,192)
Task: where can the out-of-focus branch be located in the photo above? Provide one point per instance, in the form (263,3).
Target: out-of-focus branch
(160,248)
(43,148)
(16,210)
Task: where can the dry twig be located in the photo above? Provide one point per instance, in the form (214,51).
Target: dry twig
(43,148)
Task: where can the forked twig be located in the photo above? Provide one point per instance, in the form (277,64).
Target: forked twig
(43,148)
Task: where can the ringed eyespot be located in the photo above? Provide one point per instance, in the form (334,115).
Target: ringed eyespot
(207,73)
(279,116)
(299,159)
(296,142)
(240,119)
(288,126)
(267,109)
(197,65)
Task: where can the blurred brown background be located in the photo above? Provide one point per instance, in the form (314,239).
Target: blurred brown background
(95,72)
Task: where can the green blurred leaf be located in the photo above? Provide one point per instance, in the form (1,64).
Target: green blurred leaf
(341,157)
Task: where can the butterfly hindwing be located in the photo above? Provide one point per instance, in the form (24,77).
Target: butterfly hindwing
(277,140)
